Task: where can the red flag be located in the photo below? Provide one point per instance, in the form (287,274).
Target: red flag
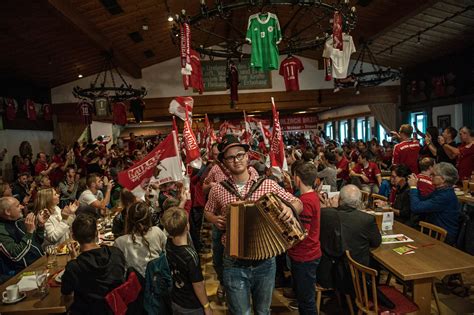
(247,135)
(277,147)
(193,155)
(164,159)
(182,106)
(175,126)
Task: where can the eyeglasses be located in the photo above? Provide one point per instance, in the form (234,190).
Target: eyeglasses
(235,158)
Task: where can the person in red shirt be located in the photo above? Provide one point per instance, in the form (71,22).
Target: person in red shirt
(42,167)
(425,181)
(354,153)
(407,151)
(464,153)
(305,255)
(342,167)
(132,144)
(368,172)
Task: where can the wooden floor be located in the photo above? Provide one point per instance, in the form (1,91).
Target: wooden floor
(451,304)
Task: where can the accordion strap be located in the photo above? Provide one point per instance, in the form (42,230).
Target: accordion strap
(230,188)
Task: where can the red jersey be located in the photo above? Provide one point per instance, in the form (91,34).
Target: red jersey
(354,155)
(425,184)
(30,110)
(11,109)
(309,248)
(371,171)
(85,110)
(39,167)
(343,164)
(194,80)
(406,152)
(119,114)
(47,112)
(465,164)
(289,69)
(233,82)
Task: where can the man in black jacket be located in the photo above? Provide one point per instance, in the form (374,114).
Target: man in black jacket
(345,228)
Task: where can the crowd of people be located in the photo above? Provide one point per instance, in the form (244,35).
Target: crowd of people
(63,196)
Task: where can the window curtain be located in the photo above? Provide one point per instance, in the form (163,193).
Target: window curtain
(385,114)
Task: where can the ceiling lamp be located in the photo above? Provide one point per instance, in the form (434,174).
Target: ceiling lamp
(105,86)
(316,13)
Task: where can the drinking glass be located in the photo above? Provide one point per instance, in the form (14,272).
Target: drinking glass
(51,254)
(42,280)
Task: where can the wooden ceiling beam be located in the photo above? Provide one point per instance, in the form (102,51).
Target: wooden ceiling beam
(94,34)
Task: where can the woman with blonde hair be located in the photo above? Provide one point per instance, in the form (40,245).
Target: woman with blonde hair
(142,241)
(59,222)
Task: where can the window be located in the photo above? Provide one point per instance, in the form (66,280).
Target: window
(329,130)
(382,134)
(419,119)
(361,129)
(343,130)
(368,136)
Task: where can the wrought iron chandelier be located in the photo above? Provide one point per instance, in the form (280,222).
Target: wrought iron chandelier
(318,12)
(366,79)
(113,92)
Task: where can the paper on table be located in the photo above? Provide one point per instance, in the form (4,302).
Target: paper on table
(395,238)
(27,283)
(333,194)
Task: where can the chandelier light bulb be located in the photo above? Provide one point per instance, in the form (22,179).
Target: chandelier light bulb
(79,75)
(170,18)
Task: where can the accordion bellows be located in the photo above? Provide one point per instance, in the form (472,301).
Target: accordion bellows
(255,232)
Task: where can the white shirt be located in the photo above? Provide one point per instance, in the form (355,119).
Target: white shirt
(87,197)
(340,59)
(57,229)
(137,254)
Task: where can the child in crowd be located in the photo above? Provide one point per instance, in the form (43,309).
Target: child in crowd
(188,294)
(94,273)
(305,256)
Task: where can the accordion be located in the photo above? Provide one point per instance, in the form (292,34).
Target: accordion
(255,232)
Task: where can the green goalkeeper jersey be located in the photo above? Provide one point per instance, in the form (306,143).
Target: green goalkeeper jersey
(264,34)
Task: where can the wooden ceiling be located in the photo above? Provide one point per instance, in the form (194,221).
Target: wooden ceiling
(50,42)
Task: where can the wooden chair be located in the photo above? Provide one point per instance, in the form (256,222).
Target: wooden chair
(365,197)
(376,197)
(366,298)
(319,293)
(440,234)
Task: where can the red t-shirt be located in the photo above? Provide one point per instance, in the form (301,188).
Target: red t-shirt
(465,161)
(344,165)
(406,152)
(425,185)
(119,114)
(371,171)
(289,69)
(39,167)
(309,248)
(354,155)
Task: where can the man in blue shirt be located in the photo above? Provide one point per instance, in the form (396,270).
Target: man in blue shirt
(441,207)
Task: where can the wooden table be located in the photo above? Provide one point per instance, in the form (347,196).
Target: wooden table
(54,302)
(428,262)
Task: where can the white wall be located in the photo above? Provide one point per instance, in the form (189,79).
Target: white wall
(101,129)
(164,80)
(454,110)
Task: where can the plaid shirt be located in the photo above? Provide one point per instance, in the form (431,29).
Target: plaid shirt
(215,175)
(219,197)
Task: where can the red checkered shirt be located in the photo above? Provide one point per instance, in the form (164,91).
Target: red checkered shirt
(215,175)
(219,197)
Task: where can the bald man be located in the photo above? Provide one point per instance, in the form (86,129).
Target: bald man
(20,238)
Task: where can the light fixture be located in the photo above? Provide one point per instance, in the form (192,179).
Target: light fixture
(107,87)
(170,18)
(79,75)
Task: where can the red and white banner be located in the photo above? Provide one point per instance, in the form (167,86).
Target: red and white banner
(193,154)
(277,147)
(164,160)
(247,134)
(182,105)
(299,122)
(185,44)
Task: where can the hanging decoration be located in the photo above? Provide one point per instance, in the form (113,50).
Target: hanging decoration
(115,92)
(208,21)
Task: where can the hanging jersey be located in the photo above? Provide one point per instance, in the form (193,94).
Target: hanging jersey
(30,110)
(340,59)
(136,107)
(289,69)
(194,80)
(47,112)
(264,34)
(85,110)
(119,114)
(11,109)
(233,82)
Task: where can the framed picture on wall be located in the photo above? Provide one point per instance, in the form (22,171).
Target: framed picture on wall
(444,121)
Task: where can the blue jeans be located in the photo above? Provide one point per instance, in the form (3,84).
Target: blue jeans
(304,280)
(249,279)
(217,252)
